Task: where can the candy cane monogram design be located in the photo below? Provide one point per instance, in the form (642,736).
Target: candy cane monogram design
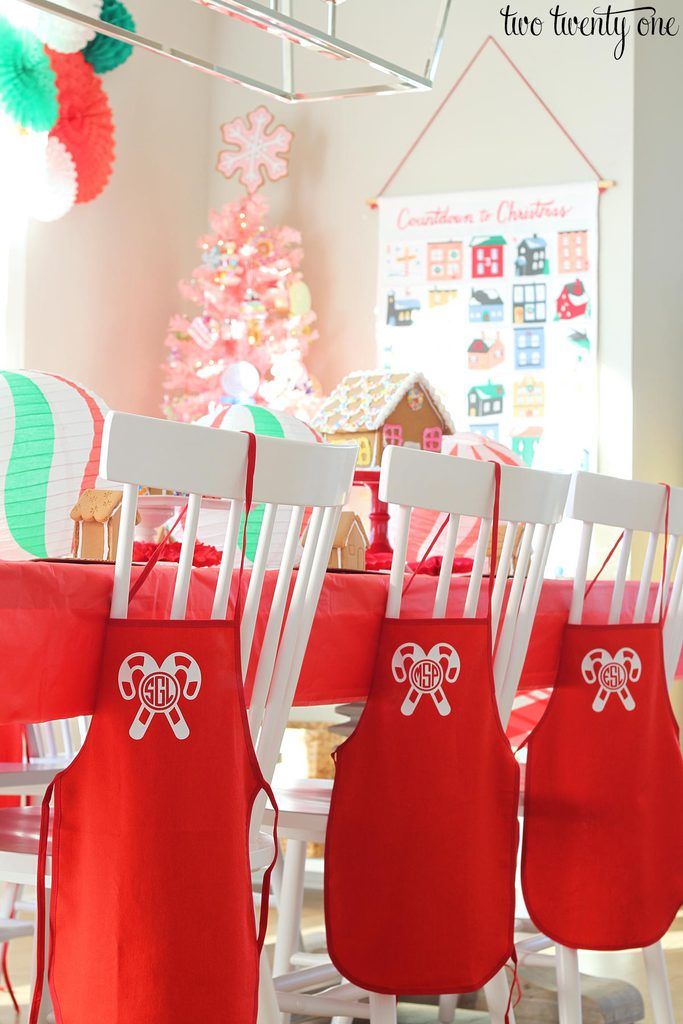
(426,673)
(613,674)
(158,689)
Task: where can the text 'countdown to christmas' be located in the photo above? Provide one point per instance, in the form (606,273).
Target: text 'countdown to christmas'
(608,21)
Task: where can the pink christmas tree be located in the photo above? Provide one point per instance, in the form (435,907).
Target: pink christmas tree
(249,339)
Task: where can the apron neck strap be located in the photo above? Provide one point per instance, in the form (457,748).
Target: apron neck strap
(662,605)
(163,544)
(248,498)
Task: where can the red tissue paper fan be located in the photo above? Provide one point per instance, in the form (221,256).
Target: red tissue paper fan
(85,124)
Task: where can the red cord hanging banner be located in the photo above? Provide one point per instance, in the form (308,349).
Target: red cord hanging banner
(603,183)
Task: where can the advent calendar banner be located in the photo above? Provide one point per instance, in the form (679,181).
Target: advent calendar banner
(493,296)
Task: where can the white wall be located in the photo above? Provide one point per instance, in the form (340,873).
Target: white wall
(102,282)
(658,267)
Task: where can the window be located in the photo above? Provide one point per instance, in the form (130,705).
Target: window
(364,452)
(431,439)
(393,433)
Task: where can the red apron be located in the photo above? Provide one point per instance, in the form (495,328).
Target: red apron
(152,913)
(422,834)
(602,861)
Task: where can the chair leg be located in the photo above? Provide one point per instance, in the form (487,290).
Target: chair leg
(276,877)
(447,1007)
(268,1010)
(658,984)
(497,992)
(289,906)
(568,985)
(382,1009)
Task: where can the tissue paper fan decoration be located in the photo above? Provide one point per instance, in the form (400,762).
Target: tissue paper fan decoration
(50,440)
(255,149)
(103,52)
(85,124)
(67,36)
(27,82)
(53,182)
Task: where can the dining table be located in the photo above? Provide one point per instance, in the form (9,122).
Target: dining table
(53,615)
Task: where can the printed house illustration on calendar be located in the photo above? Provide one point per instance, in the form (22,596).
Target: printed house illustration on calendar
(486,306)
(441,296)
(487,255)
(525,443)
(531,257)
(572,251)
(485,399)
(400,311)
(444,261)
(529,303)
(528,398)
(529,347)
(484,355)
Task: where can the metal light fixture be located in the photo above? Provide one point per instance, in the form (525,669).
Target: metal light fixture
(277,19)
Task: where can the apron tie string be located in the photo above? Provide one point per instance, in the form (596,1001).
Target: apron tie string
(515,987)
(265,885)
(40,905)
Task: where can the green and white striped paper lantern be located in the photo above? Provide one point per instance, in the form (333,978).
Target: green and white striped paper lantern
(50,440)
(260,421)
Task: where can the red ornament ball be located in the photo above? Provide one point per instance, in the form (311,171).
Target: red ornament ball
(85,124)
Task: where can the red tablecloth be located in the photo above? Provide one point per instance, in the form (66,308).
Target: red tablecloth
(52,617)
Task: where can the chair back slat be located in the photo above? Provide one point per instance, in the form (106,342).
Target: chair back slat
(202,462)
(580,574)
(443,586)
(269,644)
(181,589)
(529,500)
(516,588)
(221,597)
(398,561)
(255,589)
(502,573)
(474,586)
(523,618)
(620,578)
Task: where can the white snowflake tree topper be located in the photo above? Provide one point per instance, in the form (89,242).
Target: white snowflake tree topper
(258,153)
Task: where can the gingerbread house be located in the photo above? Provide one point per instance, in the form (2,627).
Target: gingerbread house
(97,516)
(350,543)
(376,408)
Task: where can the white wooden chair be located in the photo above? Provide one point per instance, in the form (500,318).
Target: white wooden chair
(201,461)
(50,746)
(415,479)
(630,506)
